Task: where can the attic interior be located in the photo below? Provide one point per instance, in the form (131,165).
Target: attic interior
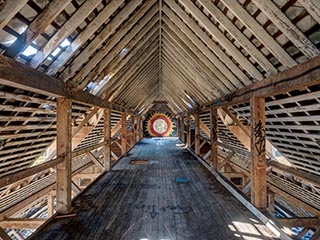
(229,91)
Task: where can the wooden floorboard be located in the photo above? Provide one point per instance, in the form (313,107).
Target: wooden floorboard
(144,201)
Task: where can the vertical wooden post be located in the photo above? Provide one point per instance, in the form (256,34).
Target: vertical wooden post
(123,133)
(182,129)
(178,126)
(197,133)
(141,128)
(50,204)
(64,141)
(271,202)
(188,130)
(107,138)
(214,138)
(4,235)
(138,129)
(133,131)
(258,153)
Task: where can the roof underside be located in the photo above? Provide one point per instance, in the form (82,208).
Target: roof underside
(185,53)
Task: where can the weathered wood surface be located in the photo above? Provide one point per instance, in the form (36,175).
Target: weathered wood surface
(145,202)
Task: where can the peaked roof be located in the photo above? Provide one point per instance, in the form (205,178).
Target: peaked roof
(184,52)
(187,53)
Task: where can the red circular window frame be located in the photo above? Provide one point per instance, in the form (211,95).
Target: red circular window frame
(153,132)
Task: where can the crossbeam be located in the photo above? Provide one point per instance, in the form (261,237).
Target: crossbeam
(18,75)
(300,76)
(22,223)
(14,177)
(313,222)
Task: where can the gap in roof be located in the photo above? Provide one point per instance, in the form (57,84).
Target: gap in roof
(56,52)
(65,43)
(123,52)
(188,104)
(29,51)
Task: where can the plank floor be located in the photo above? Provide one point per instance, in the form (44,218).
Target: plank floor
(145,202)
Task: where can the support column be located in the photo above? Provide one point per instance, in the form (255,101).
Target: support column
(64,140)
(188,130)
(133,131)
(258,153)
(123,133)
(4,235)
(107,139)
(141,128)
(197,133)
(214,138)
(271,202)
(138,129)
(179,127)
(182,130)
(50,204)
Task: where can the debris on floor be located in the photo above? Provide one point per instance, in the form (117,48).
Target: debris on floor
(182,180)
(139,162)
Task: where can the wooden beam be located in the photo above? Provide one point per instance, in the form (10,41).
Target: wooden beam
(302,233)
(8,9)
(83,36)
(138,130)
(197,133)
(312,7)
(260,33)
(18,75)
(4,235)
(96,43)
(312,222)
(66,29)
(179,127)
(189,130)
(125,75)
(37,26)
(214,138)
(22,223)
(180,81)
(140,81)
(230,175)
(16,234)
(208,78)
(271,202)
(285,25)
(14,177)
(298,77)
(95,160)
(107,139)
(258,153)
(316,235)
(36,196)
(123,133)
(218,53)
(273,227)
(142,128)
(183,139)
(133,130)
(86,150)
(246,44)
(75,188)
(284,169)
(221,38)
(25,202)
(64,138)
(184,79)
(104,67)
(184,41)
(50,203)
(146,46)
